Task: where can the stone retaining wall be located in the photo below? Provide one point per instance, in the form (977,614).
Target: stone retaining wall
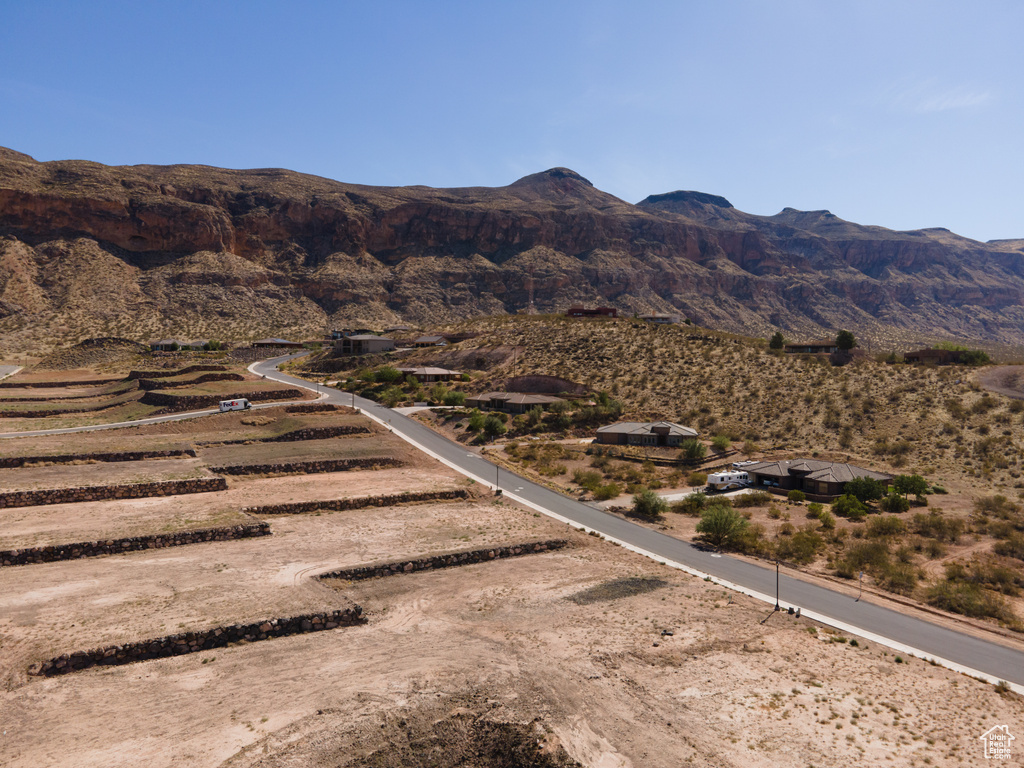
(104,492)
(150,384)
(193,642)
(50,398)
(43,414)
(359,502)
(317,408)
(450,560)
(45,384)
(308,467)
(310,433)
(78,550)
(167,373)
(187,402)
(11,462)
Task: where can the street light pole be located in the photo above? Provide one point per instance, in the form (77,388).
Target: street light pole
(777,607)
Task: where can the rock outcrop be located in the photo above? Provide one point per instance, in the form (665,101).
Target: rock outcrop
(146,251)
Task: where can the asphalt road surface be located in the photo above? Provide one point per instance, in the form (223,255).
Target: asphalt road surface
(900,631)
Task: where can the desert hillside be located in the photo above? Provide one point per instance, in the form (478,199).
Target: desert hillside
(142,251)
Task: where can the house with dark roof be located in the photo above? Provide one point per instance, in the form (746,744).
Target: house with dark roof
(822,478)
(511,402)
(592,312)
(822,347)
(283,343)
(428,374)
(365,343)
(429,341)
(656,433)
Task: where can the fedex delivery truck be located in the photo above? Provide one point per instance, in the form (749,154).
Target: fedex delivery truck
(235,405)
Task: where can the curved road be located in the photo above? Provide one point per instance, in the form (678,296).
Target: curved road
(908,634)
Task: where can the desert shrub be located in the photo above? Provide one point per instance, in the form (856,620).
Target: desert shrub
(493,426)
(392,396)
(868,554)
(691,505)
(721,526)
(801,547)
(697,478)
(752,499)
(476,421)
(649,505)
(900,578)
(387,375)
(1013,546)
(883,526)
(815,508)
(720,443)
(987,573)
(969,599)
(827,520)
(940,490)
(894,503)
(693,449)
(454,398)
(850,507)
(796,495)
(865,489)
(586,478)
(935,526)
(552,470)
(607,491)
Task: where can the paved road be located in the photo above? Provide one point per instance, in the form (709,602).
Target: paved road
(903,632)
(8,370)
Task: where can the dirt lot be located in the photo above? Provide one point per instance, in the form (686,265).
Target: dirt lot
(568,650)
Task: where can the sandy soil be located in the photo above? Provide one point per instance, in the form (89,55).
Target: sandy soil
(573,642)
(100,473)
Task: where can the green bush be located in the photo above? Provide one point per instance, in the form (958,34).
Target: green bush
(850,507)
(454,398)
(814,509)
(691,505)
(587,478)
(801,547)
(969,599)
(476,420)
(827,520)
(894,503)
(693,449)
(868,554)
(721,526)
(865,489)
(649,505)
(720,443)
(697,479)
(387,375)
(935,526)
(900,578)
(608,491)
(796,495)
(752,499)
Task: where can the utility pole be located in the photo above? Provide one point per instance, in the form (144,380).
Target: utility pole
(861,590)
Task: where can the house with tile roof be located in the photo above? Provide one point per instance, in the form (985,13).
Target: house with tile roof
(821,478)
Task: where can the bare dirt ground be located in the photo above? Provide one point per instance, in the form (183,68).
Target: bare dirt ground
(569,647)
(1004,380)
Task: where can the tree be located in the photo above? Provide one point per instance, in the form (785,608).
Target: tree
(388,375)
(845,340)
(777,341)
(493,426)
(865,489)
(909,484)
(849,506)
(649,505)
(452,397)
(721,526)
(476,420)
(693,449)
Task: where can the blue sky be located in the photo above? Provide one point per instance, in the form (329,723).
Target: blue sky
(902,114)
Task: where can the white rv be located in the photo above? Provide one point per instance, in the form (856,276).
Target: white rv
(235,405)
(727,481)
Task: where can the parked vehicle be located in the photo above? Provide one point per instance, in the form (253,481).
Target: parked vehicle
(728,481)
(235,405)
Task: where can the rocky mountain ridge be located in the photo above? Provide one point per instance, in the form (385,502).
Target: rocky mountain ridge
(145,251)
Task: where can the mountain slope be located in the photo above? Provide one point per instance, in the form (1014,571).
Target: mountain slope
(144,251)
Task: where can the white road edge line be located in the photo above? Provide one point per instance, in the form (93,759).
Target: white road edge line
(813,615)
(16,370)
